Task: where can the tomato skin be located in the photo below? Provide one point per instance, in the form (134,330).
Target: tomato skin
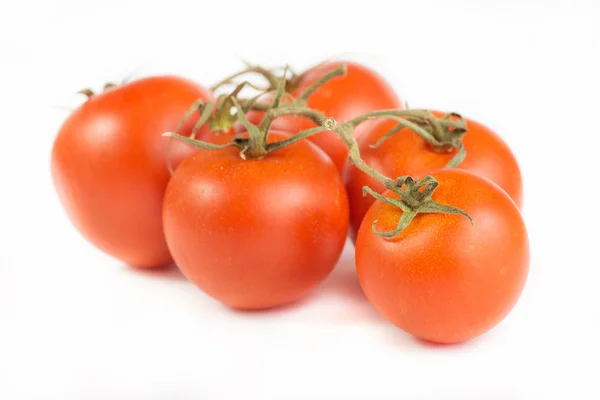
(405,153)
(443,279)
(360,91)
(109,165)
(255,234)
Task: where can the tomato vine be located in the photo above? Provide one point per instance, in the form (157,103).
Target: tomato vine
(414,196)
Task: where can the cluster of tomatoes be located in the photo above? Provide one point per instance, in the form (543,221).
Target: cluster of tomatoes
(256,218)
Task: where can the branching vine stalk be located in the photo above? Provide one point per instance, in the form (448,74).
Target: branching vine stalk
(269,75)
(411,199)
(413,196)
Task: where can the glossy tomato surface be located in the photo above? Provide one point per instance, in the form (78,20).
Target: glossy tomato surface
(256,233)
(444,279)
(109,165)
(406,153)
(360,91)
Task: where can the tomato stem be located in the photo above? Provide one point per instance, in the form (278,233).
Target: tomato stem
(413,197)
(198,143)
(257,146)
(273,80)
(223,119)
(265,124)
(334,73)
(280,144)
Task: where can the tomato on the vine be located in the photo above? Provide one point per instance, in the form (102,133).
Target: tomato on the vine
(256,233)
(406,153)
(443,278)
(360,91)
(109,164)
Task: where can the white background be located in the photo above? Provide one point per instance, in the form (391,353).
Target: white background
(76,324)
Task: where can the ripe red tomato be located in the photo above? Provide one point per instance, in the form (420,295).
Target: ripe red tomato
(406,153)
(442,278)
(109,164)
(255,234)
(360,91)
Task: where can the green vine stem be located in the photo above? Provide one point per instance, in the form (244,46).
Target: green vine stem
(265,124)
(230,109)
(302,100)
(270,75)
(413,196)
(338,71)
(276,81)
(412,200)
(223,119)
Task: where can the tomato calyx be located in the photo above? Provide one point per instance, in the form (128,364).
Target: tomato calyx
(222,120)
(412,201)
(443,135)
(414,197)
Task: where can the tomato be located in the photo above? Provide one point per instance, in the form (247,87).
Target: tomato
(406,153)
(256,234)
(442,278)
(360,91)
(109,165)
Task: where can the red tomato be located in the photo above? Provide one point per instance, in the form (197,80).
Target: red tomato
(442,278)
(109,165)
(406,153)
(256,233)
(360,91)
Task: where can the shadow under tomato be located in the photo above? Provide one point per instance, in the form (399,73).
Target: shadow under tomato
(168,273)
(473,342)
(275,310)
(343,282)
(434,345)
(401,338)
(343,285)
